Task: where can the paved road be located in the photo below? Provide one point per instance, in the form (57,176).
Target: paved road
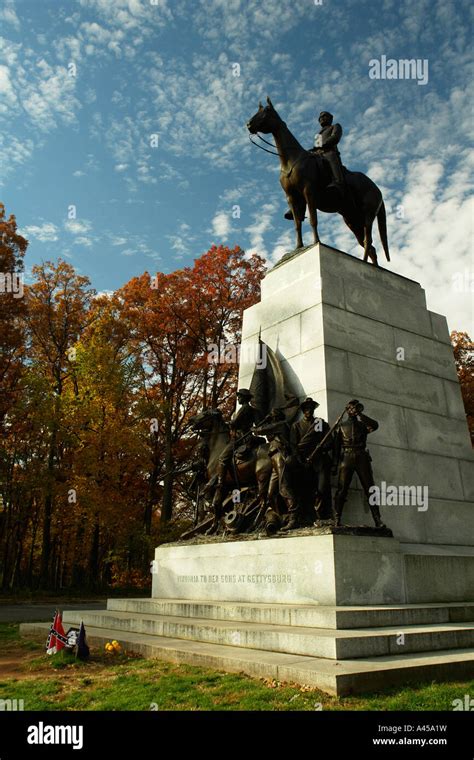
(30,612)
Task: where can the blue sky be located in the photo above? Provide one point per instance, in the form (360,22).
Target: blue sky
(84,84)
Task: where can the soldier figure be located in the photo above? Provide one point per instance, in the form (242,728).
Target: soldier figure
(278,434)
(305,437)
(198,467)
(241,424)
(325,145)
(352,456)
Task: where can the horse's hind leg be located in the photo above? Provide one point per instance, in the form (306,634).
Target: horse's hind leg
(357,228)
(369,250)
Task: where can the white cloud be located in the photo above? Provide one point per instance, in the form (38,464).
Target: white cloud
(13,153)
(181,241)
(45,233)
(118,240)
(221,225)
(77,226)
(7,92)
(8,14)
(83,240)
(262,224)
(284,244)
(437,230)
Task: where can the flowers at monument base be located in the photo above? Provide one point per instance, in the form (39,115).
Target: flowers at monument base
(113,647)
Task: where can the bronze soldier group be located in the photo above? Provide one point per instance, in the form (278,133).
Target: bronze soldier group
(307,451)
(241,424)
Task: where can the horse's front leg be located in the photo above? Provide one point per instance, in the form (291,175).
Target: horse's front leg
(313,220)
(313,215)
(295,207)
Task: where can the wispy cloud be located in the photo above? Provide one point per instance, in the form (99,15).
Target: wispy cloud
(77,226)
(45,233)
(8,14)
(221,225)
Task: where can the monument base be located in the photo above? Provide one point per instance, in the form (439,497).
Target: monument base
(328,569)
(340,650)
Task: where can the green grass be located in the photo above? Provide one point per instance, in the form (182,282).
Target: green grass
(126,682)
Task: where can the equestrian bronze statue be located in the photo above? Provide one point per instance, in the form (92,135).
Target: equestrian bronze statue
(316,180)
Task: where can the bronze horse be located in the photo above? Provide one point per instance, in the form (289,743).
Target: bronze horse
(251,474)
(307,181)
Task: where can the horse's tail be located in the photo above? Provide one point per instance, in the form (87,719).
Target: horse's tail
(382,222)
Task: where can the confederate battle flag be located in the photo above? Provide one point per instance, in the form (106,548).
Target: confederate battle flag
(57,639)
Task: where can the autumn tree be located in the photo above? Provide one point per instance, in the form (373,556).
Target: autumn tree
(463,348)
(12,345)
(12,310)
(108,464)
(58,305)
(173,320)
(99,409)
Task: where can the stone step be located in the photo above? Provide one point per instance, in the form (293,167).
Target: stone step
(306,615)
(298,640)
(336,677)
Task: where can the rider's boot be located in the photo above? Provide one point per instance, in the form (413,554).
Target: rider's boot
(219,492)
(337,511)
(376,515)
(292,515)
(319,511)
(289,215)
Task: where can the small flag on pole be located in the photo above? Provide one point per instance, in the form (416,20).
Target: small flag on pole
(82,652)
(57,639)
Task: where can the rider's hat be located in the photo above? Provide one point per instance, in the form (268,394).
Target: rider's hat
(356,402)
(308,403)
(326,113)
(245,393)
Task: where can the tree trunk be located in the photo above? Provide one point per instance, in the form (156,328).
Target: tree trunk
(167,501)
(48,501)
(94,555)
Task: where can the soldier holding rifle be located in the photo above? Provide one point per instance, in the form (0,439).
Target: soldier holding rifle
(352,456)
(277,431)
(312,444)
(241,424)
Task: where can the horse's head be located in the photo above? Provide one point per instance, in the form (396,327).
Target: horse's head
(206,421)
(264,120)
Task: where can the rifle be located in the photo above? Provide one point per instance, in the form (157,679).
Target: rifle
(289,404)
(196,508)
(323,441)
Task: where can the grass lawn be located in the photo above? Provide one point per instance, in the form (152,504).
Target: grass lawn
(127,682)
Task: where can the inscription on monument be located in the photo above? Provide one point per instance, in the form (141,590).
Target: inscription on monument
(255,578)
